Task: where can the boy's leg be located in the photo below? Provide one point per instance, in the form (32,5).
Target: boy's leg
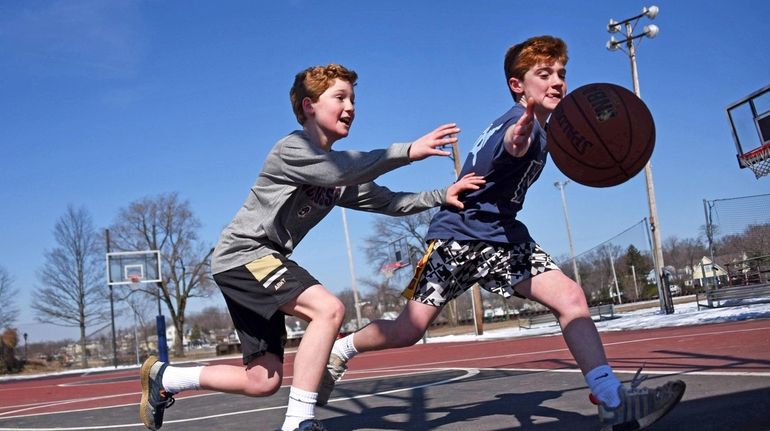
(251,292)
(324,314)
(445,271)
(567,301)
(262,375)
(404,331)
(619,407)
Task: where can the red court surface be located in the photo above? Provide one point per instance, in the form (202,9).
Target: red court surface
(712,359)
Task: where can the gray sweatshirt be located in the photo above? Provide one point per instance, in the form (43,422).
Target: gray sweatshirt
(299,185)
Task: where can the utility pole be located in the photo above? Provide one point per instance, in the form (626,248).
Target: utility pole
(476,301)
(560,186)
(112,311)
(356,301)
(649,31)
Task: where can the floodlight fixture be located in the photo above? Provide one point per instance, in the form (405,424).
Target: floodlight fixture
(650,12)
(651,30)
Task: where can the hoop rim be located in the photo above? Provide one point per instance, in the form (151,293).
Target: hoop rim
(761,151)
(389,269)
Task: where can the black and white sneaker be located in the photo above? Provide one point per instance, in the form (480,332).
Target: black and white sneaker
(155,399)
(640,407)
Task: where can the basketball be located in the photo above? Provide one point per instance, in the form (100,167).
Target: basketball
(601,135)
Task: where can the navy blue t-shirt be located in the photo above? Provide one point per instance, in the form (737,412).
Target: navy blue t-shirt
(490,212)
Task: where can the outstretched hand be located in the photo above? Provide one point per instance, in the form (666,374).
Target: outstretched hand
(518,136)
(467,182)
(426,146)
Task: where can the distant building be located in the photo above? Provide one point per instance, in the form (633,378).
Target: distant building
(706,273)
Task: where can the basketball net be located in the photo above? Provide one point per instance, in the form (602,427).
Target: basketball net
(389,269)
(758,160)
(135,279)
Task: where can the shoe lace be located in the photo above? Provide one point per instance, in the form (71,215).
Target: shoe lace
(167,400)
(638,379)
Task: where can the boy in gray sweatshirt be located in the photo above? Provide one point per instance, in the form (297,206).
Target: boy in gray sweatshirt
(301,181)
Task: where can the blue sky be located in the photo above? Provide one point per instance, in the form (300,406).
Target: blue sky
(103,103)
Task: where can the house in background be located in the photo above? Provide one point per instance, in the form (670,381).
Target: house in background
(707,273)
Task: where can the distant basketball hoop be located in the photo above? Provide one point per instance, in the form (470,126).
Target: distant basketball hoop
(758,160)
(389,269)
(750,123)
(136,280)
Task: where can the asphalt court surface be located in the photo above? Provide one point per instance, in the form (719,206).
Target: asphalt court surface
(420,388)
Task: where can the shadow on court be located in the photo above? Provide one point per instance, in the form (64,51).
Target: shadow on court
(444,400)
(511,410)
(495,400)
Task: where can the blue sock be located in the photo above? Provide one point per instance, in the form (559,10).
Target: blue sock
(604,385)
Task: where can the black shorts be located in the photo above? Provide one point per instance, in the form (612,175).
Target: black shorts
(450,267)
(253,293)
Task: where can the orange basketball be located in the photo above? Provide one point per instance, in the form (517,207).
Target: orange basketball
(601,135)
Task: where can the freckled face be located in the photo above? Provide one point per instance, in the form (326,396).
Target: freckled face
(335,110)
(546,84)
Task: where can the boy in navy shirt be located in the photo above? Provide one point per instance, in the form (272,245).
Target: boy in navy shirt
(485,243)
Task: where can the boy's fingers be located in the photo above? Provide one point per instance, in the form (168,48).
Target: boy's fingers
(530,106)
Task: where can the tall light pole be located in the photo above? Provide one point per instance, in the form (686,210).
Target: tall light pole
(476,301)
(356,301)
(560,186)
(649,31)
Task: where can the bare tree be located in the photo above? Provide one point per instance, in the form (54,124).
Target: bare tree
(139,307)
(384,297)
(8,310)
(167,224)
(212,318)
(413,229)
(72,289)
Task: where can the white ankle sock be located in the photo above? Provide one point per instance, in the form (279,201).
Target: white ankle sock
(301,407)
(344,347)
(604,385)
(178,379)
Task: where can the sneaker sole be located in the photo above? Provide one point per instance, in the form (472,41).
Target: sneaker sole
(145,411)
(649,420)
(646,421)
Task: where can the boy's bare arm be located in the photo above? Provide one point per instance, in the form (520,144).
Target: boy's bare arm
(519,136)
(426,146)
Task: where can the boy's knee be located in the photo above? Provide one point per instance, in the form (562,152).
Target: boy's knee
(573,301)
(332,310)
(412,338)
(337,311)
(406,336)
(263,387)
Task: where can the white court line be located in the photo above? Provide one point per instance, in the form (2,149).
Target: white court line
(540,352)
(430,365)
(33,406)
(469,372)
(410,371)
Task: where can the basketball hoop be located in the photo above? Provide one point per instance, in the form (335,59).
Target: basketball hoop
(389,269)
(758,160)
(135,281)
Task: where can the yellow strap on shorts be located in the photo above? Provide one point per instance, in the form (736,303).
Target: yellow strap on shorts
(408,293)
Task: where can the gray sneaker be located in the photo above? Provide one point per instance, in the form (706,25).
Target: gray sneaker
(155,399)
(335,368)
(640,407)
(309,425)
